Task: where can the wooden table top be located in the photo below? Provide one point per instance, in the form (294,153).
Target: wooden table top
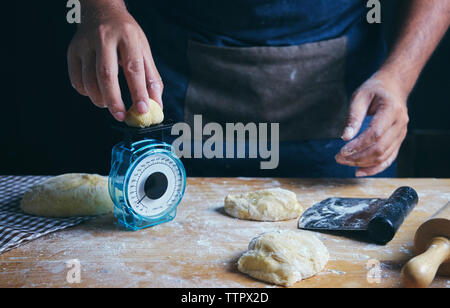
(200,247)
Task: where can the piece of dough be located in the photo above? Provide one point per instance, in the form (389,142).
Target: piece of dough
(273,204)
(153,116)
(284,257)
(73,194)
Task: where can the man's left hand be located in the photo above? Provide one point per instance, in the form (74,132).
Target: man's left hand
(376,148)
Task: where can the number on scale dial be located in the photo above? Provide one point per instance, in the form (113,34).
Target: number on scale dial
(154,186)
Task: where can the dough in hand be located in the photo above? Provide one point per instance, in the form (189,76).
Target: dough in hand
(272,204)
(284,257)
(73,194)
(153,116)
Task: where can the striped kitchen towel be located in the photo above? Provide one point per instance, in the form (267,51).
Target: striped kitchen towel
(16,227)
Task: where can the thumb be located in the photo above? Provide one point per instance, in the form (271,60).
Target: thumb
(358,110)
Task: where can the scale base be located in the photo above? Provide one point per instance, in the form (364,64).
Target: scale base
(133,223)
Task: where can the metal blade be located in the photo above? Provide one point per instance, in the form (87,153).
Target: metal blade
(340,214)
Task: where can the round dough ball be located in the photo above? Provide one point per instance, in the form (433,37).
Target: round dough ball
(73,194)
(153,116)
(272,204)
(284,257)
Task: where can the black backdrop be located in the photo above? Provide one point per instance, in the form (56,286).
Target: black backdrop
(47,128)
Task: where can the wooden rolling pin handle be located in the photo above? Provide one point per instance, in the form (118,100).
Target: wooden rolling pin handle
(419,272)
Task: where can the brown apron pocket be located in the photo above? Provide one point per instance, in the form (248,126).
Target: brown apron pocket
(301,87)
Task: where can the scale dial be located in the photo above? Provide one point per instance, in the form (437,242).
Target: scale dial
(155,185)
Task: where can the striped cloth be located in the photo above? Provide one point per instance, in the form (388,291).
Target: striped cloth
(17,228)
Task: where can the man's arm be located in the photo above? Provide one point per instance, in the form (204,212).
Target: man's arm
(109,35)
(425,24)
(385,94)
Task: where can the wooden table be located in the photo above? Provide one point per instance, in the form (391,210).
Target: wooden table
(200,247)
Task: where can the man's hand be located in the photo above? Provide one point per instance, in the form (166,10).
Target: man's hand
(376,148)
(106,37)
(385,94)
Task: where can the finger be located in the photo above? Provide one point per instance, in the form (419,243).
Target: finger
(358,109)
(373,158)
(75,74)
(380,123)
(133,66)
(362,172)
(155,85)
(378,152)
(89,75)
(108,81)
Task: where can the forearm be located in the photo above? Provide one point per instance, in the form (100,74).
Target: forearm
(424,24)
(98,4)
(93,9)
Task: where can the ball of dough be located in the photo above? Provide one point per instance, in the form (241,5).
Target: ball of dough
(153,116)
(66,195)
(284,257)
(272,204)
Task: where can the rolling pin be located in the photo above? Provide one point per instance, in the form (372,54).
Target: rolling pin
(432,244)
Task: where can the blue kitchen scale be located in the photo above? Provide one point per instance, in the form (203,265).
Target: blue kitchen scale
(147,180)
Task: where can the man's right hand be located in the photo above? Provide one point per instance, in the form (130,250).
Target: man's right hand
(106,38)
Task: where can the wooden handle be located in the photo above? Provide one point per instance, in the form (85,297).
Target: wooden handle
(419,272)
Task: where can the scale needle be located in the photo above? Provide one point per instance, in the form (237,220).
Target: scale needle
(141,199)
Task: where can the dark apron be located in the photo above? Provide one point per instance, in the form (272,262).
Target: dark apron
(300,87)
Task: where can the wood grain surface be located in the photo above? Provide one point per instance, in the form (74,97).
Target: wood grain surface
(200,247)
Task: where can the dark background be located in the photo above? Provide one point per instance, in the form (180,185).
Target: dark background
(47,128)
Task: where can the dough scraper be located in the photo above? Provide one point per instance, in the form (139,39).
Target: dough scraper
(378,218)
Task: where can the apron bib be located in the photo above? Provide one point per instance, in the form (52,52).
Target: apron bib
(301,87)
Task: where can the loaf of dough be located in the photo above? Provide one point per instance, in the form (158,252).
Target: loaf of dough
(66,195)
(153,116)
(272,204)
(284,257)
